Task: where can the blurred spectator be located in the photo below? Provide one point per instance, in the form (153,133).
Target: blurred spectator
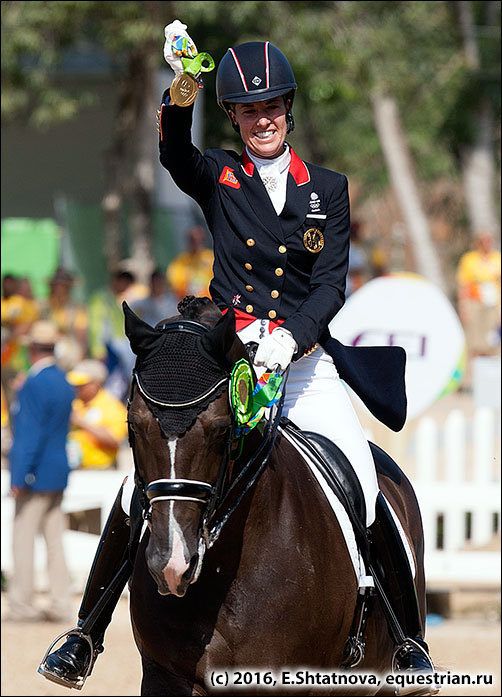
(160,304)
(9,286)
(25,289)
(39,474)
(136,290)
(107,340)
(378,262)
(19,311)
(19,308)
(71,319)
(4,412)
(357,274)
(6,433)
(191,272)
(98,420)
(106,319)
(478,287)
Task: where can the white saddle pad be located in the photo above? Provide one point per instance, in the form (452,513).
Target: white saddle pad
(344,520)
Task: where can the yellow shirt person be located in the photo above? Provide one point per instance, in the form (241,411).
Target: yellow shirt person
(190,273)
(478,284)
(478,276)
(98,418)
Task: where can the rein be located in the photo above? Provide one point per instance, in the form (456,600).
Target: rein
(260,457)
(209,495)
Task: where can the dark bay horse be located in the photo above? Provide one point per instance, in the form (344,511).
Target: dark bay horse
(276,589)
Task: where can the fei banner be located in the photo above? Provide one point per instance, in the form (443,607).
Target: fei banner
(409,311)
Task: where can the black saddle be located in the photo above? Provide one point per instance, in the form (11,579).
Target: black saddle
(340,474)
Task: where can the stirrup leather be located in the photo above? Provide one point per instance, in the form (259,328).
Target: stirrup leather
(355,647)
(76,683)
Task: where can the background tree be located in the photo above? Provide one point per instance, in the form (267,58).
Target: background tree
(350,60)
(37,38)
(474,122)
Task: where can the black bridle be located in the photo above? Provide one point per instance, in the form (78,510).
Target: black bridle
(211,496)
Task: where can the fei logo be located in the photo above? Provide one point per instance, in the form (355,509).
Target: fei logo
(414,343)
(409,311)
(228,177)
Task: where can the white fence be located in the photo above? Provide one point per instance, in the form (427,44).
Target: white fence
(457,482)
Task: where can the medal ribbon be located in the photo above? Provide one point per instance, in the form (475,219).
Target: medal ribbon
(250,409)
(201,63)
(193,62)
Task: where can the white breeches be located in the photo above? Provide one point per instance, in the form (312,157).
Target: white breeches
(316,400)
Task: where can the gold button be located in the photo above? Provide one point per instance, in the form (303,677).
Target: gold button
(279,272)
(250,242)
(272,314)
(282,249)
(249,288)
(274,293)
(248,266)
(249,308)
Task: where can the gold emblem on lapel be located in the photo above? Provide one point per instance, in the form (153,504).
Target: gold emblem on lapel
(313,240)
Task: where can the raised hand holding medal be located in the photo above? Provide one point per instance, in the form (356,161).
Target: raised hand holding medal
(181,54)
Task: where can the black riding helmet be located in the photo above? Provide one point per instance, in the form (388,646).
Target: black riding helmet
(254,72)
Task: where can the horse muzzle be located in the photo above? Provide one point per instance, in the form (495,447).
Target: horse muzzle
(175,575)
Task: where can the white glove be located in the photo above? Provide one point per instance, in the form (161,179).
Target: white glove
(276,350)
(173,47)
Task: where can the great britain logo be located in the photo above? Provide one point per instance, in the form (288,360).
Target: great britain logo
(228,177)
(314,203)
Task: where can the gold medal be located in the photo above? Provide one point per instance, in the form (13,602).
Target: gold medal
(313,240)
(184,90)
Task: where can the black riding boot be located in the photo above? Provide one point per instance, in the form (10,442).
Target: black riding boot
(391,571)
(72,663)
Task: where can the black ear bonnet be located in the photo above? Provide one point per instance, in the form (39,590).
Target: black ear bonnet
(180,367)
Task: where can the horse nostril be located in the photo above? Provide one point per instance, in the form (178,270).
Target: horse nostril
(193,565)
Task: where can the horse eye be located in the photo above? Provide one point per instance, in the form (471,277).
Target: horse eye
(219,426)
(136,423)
(133,421)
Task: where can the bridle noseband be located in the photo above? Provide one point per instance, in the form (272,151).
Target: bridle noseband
(209,495)
(178,490)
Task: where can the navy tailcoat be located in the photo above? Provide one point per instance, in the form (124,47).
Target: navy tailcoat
(290,267)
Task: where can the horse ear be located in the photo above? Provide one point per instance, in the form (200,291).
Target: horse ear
(218,341)
(142,337)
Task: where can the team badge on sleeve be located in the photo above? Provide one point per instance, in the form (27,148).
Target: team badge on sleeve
(228,177)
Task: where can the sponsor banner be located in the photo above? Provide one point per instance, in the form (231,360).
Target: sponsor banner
(409,311)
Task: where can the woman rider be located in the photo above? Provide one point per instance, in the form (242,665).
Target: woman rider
(280,228)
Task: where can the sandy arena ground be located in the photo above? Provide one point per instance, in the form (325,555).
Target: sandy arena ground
(460,645)
(467,644)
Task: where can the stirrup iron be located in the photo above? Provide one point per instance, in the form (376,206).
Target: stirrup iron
(78,683)
(413,690)
(410,644)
